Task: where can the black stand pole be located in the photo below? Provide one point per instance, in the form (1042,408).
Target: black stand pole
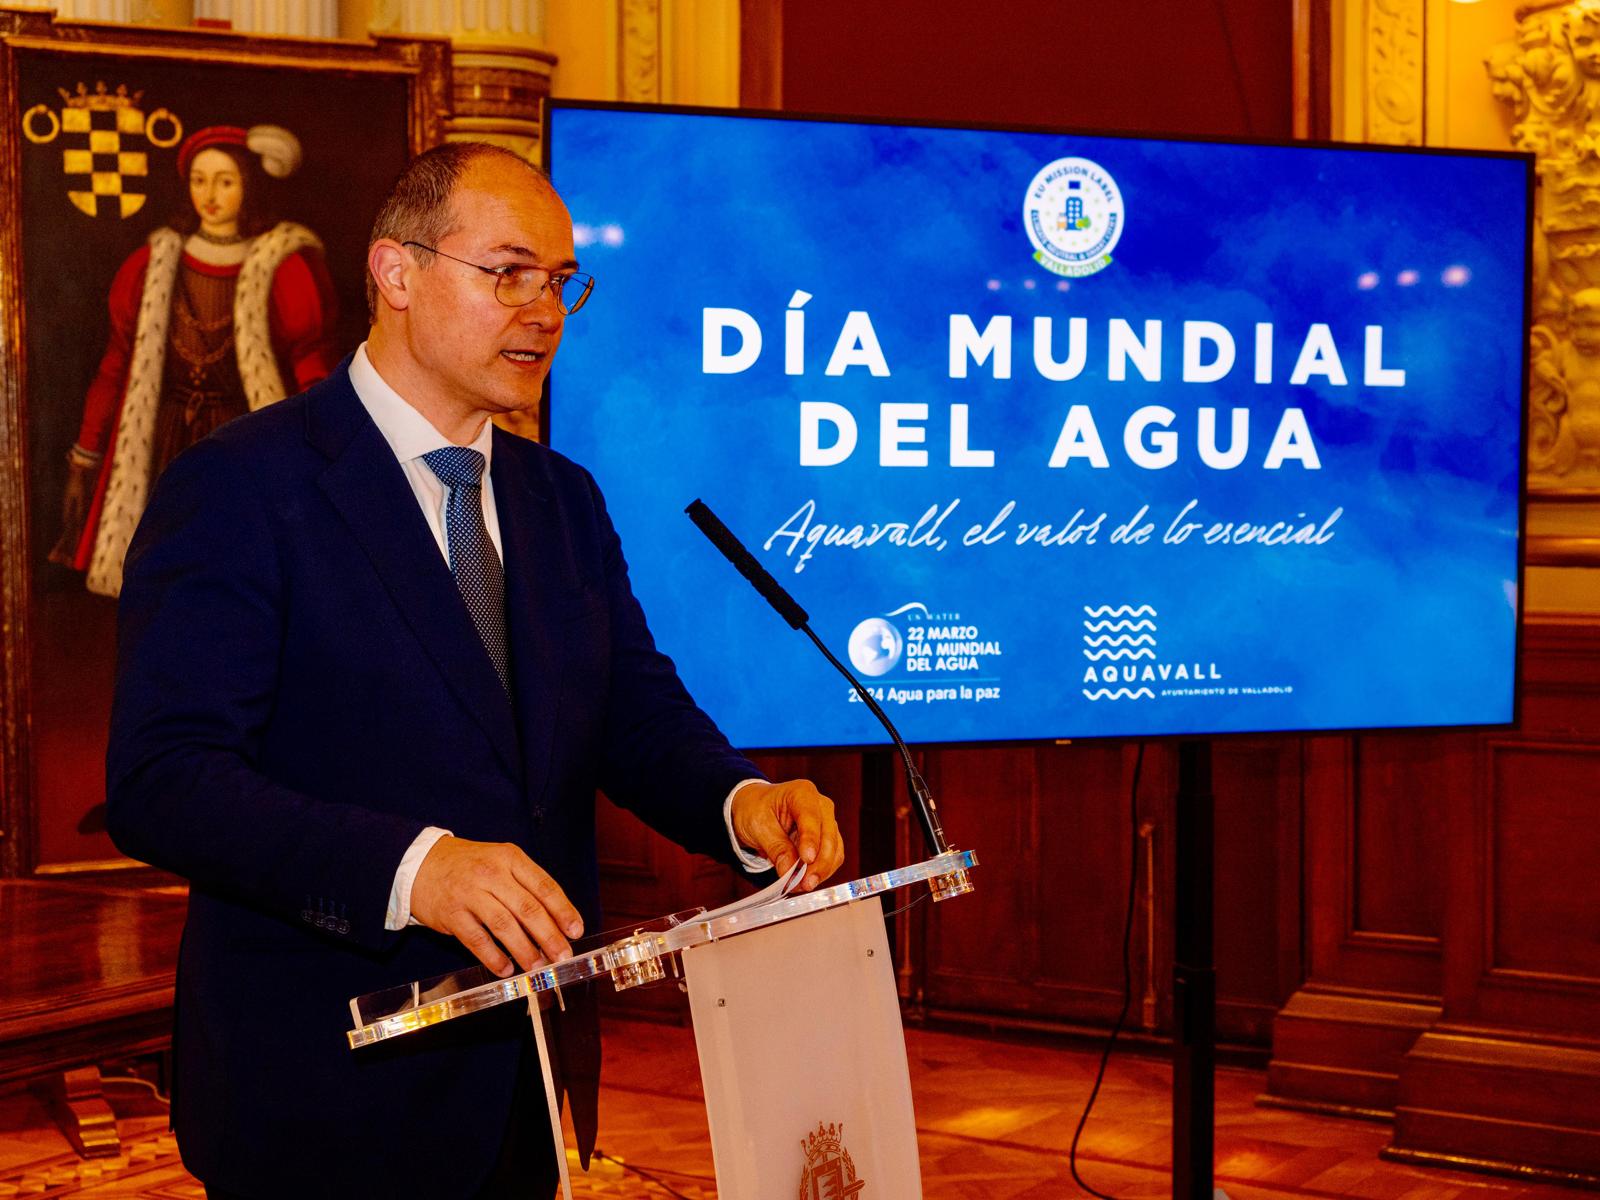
(1194,980)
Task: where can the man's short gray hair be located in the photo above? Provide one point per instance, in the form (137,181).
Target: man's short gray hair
(418,206)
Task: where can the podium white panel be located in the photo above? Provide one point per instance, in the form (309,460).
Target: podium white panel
(804,1060)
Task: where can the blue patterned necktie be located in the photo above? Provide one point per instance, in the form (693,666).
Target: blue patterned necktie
(477,570)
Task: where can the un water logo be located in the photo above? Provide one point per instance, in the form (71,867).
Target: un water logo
(1073,214)
(875,646)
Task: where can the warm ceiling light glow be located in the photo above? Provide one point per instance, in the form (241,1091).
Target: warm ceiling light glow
(1455,276)
(1367,280)
(993,285)
(1406,278)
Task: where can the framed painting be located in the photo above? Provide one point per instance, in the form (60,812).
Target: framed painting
(184,233)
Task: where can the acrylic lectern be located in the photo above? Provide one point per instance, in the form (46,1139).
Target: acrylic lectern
(815,965)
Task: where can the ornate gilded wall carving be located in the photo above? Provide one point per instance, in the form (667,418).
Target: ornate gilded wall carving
(499,70)
(1550,79)
(641,51)
(1394,71)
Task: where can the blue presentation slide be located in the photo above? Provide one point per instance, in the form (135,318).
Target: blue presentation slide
(1054,435)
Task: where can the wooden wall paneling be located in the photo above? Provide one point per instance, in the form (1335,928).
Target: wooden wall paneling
(1509,1078)
(1257,784)
(951,60)
(1375,806)
(1080,887)
(1040,942)
(1561,679)
(980,951)
(761,53)
(1313,51)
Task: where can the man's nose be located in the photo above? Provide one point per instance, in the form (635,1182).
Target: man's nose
(543,310)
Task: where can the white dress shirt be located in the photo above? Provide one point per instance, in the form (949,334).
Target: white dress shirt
(410,435)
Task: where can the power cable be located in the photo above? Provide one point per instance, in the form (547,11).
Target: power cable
(639,1171)
(1127,980)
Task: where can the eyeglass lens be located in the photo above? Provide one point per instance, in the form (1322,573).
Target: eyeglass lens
(517,288)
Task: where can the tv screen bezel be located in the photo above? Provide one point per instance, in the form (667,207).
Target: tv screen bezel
(553,105)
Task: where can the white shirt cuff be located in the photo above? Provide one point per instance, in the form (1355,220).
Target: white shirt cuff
(753,863)
(399,915)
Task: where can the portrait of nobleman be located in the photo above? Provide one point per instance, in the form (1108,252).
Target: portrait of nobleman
(376,656)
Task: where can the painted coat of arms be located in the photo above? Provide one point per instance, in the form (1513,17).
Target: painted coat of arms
(829,1173)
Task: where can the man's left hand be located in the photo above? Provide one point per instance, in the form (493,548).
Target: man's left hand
(786,821)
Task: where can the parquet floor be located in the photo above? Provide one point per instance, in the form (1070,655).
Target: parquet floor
(994,1121)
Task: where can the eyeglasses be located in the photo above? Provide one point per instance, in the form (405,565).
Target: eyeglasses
(516,285)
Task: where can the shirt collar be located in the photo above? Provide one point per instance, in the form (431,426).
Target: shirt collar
(409,434)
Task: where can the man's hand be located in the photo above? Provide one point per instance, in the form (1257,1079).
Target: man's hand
(781,821)
(491,895)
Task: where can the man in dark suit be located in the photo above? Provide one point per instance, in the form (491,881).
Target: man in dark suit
(375,657)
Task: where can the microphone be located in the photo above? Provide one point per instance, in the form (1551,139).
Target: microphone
(954,883)
(745,563)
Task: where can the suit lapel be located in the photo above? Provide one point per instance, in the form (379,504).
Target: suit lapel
(538,580)
(365,483)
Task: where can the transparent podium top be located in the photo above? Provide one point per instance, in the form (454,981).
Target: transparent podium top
(627,957)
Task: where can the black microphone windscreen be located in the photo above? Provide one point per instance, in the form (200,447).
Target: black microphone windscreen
(733,550)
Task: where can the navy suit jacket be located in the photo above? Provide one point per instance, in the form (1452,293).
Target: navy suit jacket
(300,691)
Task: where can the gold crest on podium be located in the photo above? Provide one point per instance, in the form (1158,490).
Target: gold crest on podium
(829,1174)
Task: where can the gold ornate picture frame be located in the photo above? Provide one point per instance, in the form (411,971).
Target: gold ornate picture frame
(101,211)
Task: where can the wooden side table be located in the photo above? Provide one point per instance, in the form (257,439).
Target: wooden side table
(86,975)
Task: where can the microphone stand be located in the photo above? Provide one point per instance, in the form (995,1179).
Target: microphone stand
(943,887)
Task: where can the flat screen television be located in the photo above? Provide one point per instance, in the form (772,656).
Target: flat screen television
(1055,435)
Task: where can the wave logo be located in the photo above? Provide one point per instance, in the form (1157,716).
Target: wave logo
(1121,634)
(875,646)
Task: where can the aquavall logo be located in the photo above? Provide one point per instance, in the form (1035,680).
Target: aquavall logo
(1115,639)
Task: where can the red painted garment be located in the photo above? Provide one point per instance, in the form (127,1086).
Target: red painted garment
(301,319)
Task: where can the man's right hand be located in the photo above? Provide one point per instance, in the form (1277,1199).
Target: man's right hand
(493,898)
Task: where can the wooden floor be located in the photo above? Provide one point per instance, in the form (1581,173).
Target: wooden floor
(994,1121)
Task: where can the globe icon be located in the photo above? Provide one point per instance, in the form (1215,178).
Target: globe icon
(875,646)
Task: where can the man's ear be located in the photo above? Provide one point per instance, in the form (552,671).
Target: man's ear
(386,259)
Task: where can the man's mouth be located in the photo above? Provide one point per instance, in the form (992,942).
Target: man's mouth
(522,356)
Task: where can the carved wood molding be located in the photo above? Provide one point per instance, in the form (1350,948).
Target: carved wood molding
(1549,80)
(1523,1107)
(498,95)
(639,55)
(1393,73)
(761,53)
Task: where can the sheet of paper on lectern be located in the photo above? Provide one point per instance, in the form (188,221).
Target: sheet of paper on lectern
(816,994)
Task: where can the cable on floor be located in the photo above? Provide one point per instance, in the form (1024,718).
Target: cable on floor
(648,1176)
(1127,979)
